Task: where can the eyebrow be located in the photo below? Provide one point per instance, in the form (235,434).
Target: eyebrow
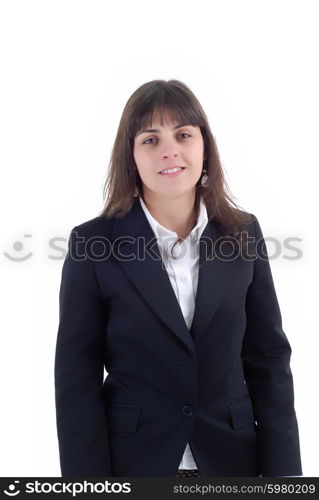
(155,130)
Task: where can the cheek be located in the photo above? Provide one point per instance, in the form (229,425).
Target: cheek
(136,156)
(144,163)
(140,161)
(144,175)
(141,157)
(144,169)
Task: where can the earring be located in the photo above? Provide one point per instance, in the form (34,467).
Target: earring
(204,179)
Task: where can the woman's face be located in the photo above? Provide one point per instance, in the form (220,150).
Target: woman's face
(164,148)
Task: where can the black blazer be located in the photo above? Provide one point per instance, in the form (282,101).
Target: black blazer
(225,385)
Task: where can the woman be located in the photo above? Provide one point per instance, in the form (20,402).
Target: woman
(170,290)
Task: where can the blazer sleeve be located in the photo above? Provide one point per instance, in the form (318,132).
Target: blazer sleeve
(266,360)
(79,369)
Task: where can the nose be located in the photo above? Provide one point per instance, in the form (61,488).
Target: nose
(167,156)
(169,149)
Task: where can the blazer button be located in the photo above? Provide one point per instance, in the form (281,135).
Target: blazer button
(187,410)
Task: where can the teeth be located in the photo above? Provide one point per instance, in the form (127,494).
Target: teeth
(170,170)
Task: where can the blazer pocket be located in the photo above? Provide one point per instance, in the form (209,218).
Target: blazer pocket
(122,417)
(241,412)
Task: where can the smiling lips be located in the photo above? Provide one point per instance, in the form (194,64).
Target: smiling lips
(172,172)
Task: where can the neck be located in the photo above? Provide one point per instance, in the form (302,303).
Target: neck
(177,213)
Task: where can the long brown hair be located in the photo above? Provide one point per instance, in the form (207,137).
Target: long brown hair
(183,106)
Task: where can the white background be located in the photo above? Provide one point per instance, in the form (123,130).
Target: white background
(67,70)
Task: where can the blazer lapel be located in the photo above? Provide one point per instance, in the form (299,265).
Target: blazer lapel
(213,277)
(136,251)
(139,256)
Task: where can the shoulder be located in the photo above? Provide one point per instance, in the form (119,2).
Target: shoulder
(89,239)
(251,225)
(96,227)
(247,219)
(235,222)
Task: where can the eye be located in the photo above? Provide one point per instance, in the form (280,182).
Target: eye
(145,142)
(151,138)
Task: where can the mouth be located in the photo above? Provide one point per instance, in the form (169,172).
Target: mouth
(172,172)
